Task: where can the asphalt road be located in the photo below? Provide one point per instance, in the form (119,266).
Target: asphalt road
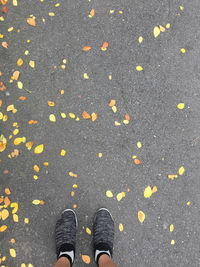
(170,136)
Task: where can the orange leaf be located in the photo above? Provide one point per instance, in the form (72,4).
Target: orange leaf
(86,259)
(5,44)
(31,21)
(29,145)
(7,201)
(7,191)
(154,189)
(51,103)
(42,202)
(92,12)
(86,48)
(86,115)
(137,161)
(104,46)
(36,168)
(94,116)
(16,75)
(3,228)
(172,176)
(127,117)
(22,98)
(141,216)
(112,103)
(33,122)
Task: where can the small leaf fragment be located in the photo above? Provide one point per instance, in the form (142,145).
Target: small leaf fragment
(139,68)
(172,176)
(3,228)
(5,44)
(15,206)
(63,152)
(31,21)
(51,103)
(88,231)
(12,252)
(121,227)
(16,75)
(36,202)
(139,145)
(86,48)
(52,118)
(162,29)
(94,116)
(7,191)
(36,168)
(104,46)
(147,192)
(85,76)
(171,228)
(114,109)
(15,218)
(140,39)
(92,13)
(86,115)
(181,106)
(109,194)
(141,216)
(154,189)
(112,103)
(29,145)
(119,196)
(4,214)
(20,62)
(137,161)
(181,170)
(32,64)
(72,115)
(86,259)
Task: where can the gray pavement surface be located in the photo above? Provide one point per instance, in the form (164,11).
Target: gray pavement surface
(169,136)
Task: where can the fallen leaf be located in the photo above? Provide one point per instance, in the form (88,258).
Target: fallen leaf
(12,252)
(172,242)
(92,12)
(29,145)
(100,155)
(168,25)
(121,227)
(4,214)
(147,192)
(14,2)
(85,76)
(88,231)
(140,39)
(127,117)
(10,108)
(156,31)
(72,115)
(183,50)
(20,85)
(154,189)
(51,14)
(36,168)
(46,163)
(14,205)
(12,240)
(112,103)
(63,152)
(5,9)
(5,44)
(162,29)
(51,103)
(39,149)
(7,191)
(181,170)
(104,46)
(22,98)
(73,174)
(86,115)
(172,176)
(86,259)
(4,2)
(94,116)
(109,194)
(171,228)
(32,64)
(52,118)
(114,109)
(32,122)
(17,141)
(26,220)
(63,115)
(16,75)
(119,196)
(139,68)
(137,161)
(15,218)
(181,106)
(139,145)
(20,62)
(86,48)
(6,201)
(31,21)
(3,228)
(36,202)
(141,216)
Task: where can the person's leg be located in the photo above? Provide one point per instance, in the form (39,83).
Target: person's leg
(106,261)
(103,238)
(66,238)
(62,262)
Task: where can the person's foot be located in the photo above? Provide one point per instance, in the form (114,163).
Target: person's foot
(103,234)
(66,235)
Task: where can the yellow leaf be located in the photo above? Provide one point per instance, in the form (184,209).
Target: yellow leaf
(17,141)
(88,231)
(171,228)
(10,107)
(86,115)
(181,8)
(139,68)
(121,227)
(63,152)
(141,216)
(63,115)
(72,115)
(114,109)
(139,145)
(26,220)
(15,218)
(147,192)
(4,214)
(172,176)
(94,116)
(85,76)
(117,123)
(39,149)
(14,2)
(172,242)
(16,75)
(156,31)
(140,39)
(15,206)
(36,202)
(183,50)
(12,252)
(20,85)
(51,14)
(3,228)
(119,196)
(162,29)
(109,193)
(26,52)
(10,29)
(52,118)
(29,145)
(32,64)
(100,155)
(16,131)
(188,203)
(181,106)
(23,265)
(168,25)
(86,259)
(110,77)
(19,62)
(125,121)
(181,170)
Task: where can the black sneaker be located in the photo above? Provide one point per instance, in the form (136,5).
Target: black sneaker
(66,235)
(103,233)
